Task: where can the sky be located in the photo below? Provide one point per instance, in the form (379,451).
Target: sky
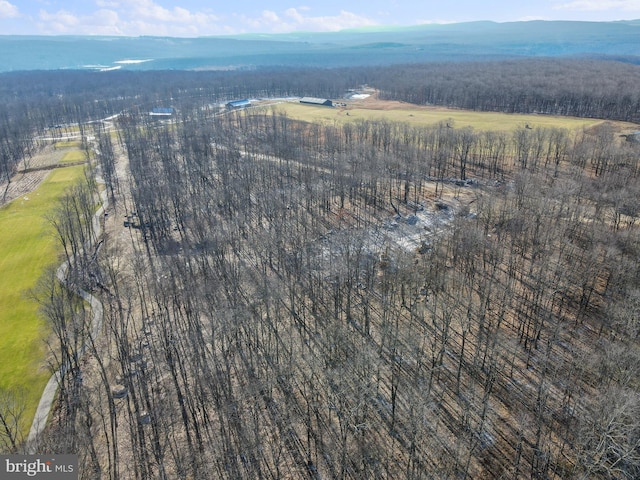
(192,18)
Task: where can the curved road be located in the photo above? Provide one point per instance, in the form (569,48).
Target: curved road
(48,395)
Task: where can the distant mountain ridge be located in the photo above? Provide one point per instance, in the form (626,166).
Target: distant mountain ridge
(366,46)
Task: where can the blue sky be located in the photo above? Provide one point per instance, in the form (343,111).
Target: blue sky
(188,18)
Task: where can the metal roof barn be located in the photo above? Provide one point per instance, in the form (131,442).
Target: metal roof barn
(316,101)
(239,103)
(162,111)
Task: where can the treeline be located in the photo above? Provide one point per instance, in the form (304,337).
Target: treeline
(271,322)
(577,87)
(41,105)
(33,102)
(580,88)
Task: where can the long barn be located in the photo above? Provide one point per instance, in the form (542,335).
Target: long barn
(316,101)
(244,103)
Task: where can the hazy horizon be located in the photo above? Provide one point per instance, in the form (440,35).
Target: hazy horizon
(363,46)
(196,18)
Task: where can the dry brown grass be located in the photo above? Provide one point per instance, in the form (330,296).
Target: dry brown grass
(372,108)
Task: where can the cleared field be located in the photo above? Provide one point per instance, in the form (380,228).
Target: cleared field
(73,156)
(68,144)
(421,115)
(27,247)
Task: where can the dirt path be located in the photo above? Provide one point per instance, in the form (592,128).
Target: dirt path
(50,390)
(49,393)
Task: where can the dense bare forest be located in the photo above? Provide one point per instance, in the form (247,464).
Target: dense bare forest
(34,102)
(367,300)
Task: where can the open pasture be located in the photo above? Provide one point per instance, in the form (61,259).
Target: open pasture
(416,115)
(68,144)
(73,156)
(27,248)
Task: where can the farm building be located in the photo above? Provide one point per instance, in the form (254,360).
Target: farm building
(316,101)
(162,112)
(238,104)
(633,137)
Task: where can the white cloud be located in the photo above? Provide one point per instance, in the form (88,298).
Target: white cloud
(133,17)
(296,19)
(8,10)
(295,15)
(328,23)
(600,5)
(100,22)
(107,3)
(147,9)
(60,20)
(146,17)
(270,16)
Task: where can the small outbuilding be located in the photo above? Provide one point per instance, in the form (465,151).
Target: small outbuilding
(162,112)
(316,101)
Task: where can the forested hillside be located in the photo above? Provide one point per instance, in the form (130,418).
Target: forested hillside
(33,102)
(285,299)
(375,45)
(581,88)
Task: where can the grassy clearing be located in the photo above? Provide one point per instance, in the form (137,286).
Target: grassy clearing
(68,144)
(418,115)
(27,247)
(73,156)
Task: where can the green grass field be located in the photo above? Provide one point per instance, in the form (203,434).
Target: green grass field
(68,144)
(27,247)
(73,156)
(414,115)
